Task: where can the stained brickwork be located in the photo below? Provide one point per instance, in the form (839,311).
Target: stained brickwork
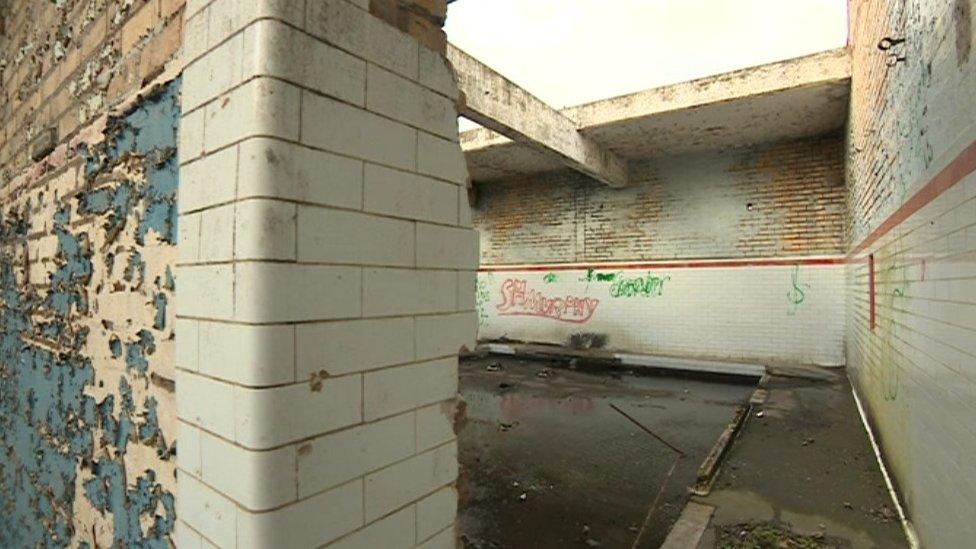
(911,346)
(775,201)
(64,63)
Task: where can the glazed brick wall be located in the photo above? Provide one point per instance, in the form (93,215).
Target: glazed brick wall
(327,271)
(684,207)
(776,313)
(912,197)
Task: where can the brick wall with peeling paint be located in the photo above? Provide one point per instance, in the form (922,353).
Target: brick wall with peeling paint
(911,268)
(783,200)
(88,181)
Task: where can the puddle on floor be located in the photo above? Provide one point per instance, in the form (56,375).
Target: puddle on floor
(547,462)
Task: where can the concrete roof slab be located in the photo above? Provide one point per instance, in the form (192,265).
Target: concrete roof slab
(791,99)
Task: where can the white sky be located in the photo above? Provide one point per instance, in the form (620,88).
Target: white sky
(568,52)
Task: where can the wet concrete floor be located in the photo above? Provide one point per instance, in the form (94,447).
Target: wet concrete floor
(547,462)
(807,465)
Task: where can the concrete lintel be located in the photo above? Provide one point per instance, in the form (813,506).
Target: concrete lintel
(500,105)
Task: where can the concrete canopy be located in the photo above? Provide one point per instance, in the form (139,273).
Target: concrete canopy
(497,103)
(791,99)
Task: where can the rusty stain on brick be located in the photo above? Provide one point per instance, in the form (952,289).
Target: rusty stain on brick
(317,380)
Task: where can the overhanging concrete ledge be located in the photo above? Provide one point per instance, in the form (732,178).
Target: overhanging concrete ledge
(792,99)
(495,102)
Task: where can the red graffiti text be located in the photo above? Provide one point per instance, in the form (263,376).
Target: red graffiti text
(518,300)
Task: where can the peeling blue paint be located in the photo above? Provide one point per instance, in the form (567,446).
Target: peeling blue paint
(159,302)
(43,409)
(48,418)
(137,351)
(135,270)
(115,346)
(109,493)
(170,283)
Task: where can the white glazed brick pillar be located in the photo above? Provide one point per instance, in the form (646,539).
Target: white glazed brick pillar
(326,280)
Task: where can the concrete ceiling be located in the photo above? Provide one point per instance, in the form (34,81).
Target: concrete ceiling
(792,99)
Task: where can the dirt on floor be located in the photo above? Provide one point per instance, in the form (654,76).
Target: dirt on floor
(550,458)
(802,473)
(762,535)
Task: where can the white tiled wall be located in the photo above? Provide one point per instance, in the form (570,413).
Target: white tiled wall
(916,369)
(322,252)
(912,197)
(741,312)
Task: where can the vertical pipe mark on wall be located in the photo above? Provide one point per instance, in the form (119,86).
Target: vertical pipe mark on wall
(871,290)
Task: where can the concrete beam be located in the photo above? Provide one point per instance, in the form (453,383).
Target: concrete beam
(499,104)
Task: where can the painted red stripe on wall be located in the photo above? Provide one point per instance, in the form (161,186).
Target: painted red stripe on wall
(961,166)
(757,262)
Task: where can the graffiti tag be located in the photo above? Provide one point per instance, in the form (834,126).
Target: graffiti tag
(646,286)
(481,298)
(517,299)
(894,276)
(593,276)
(796,295)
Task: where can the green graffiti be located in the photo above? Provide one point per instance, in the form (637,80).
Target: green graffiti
(550,278)
(896,277)
(482,296)
(593,276)
(649,285)
(796,295)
